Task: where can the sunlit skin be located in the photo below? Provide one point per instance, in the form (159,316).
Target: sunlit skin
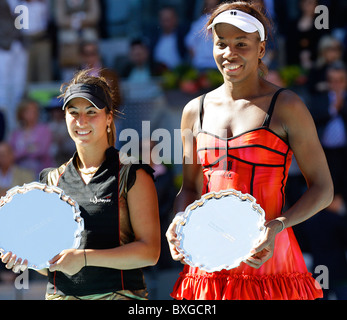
(237,54)
(87,126)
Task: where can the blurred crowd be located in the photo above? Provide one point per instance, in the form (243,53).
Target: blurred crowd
(140,40)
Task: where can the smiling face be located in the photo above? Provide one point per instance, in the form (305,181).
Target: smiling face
(86,124)
(237,53)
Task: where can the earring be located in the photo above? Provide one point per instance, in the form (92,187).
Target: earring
(108,129)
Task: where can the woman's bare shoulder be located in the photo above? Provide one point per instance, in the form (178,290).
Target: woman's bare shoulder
(191,111)
(290,104)
(292,112)
(191,114)
(192,108)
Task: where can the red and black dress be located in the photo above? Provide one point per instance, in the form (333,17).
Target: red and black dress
(254,162)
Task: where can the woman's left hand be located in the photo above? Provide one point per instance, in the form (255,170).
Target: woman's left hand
(264,250)
(13,262)
(68,261)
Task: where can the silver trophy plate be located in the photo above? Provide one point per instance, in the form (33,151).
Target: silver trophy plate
(219,230)
(37,222)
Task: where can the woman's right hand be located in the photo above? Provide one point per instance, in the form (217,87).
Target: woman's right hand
(12,263)
(173,242)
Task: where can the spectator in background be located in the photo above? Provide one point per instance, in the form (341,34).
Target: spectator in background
(329,111)
(11,175)
(168,48)
(199,44)
(330,51)
(13,62)
(31,142)
(303,37)
(330,251)
(91,59)
(139,68)
(273,54)
(77,20)
(166,190)
(38,41)
(142,93)
(2,125)
(62,146)
(117,18)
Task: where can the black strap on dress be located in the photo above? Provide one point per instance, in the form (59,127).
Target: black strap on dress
(272,108)
(202,99)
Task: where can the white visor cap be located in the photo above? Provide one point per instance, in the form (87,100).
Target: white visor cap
(241,20)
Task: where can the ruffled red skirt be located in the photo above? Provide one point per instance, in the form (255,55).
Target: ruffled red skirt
(283,277)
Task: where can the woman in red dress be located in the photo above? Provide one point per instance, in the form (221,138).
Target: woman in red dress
(242,136)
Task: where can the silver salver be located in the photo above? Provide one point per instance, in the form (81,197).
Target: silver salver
(219,230)
(37,222)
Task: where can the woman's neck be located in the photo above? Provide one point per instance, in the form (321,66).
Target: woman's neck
(91,157)
(244,90)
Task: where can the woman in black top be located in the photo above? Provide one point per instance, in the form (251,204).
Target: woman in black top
(118,203)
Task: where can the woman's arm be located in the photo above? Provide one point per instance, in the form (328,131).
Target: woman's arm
(192,174)
(297,123)
(304,141)
(144,251)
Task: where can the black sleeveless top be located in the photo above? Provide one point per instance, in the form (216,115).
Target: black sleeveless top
(98,202)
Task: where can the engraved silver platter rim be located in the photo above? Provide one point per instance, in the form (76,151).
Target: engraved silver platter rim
(243,197)
(75,214)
